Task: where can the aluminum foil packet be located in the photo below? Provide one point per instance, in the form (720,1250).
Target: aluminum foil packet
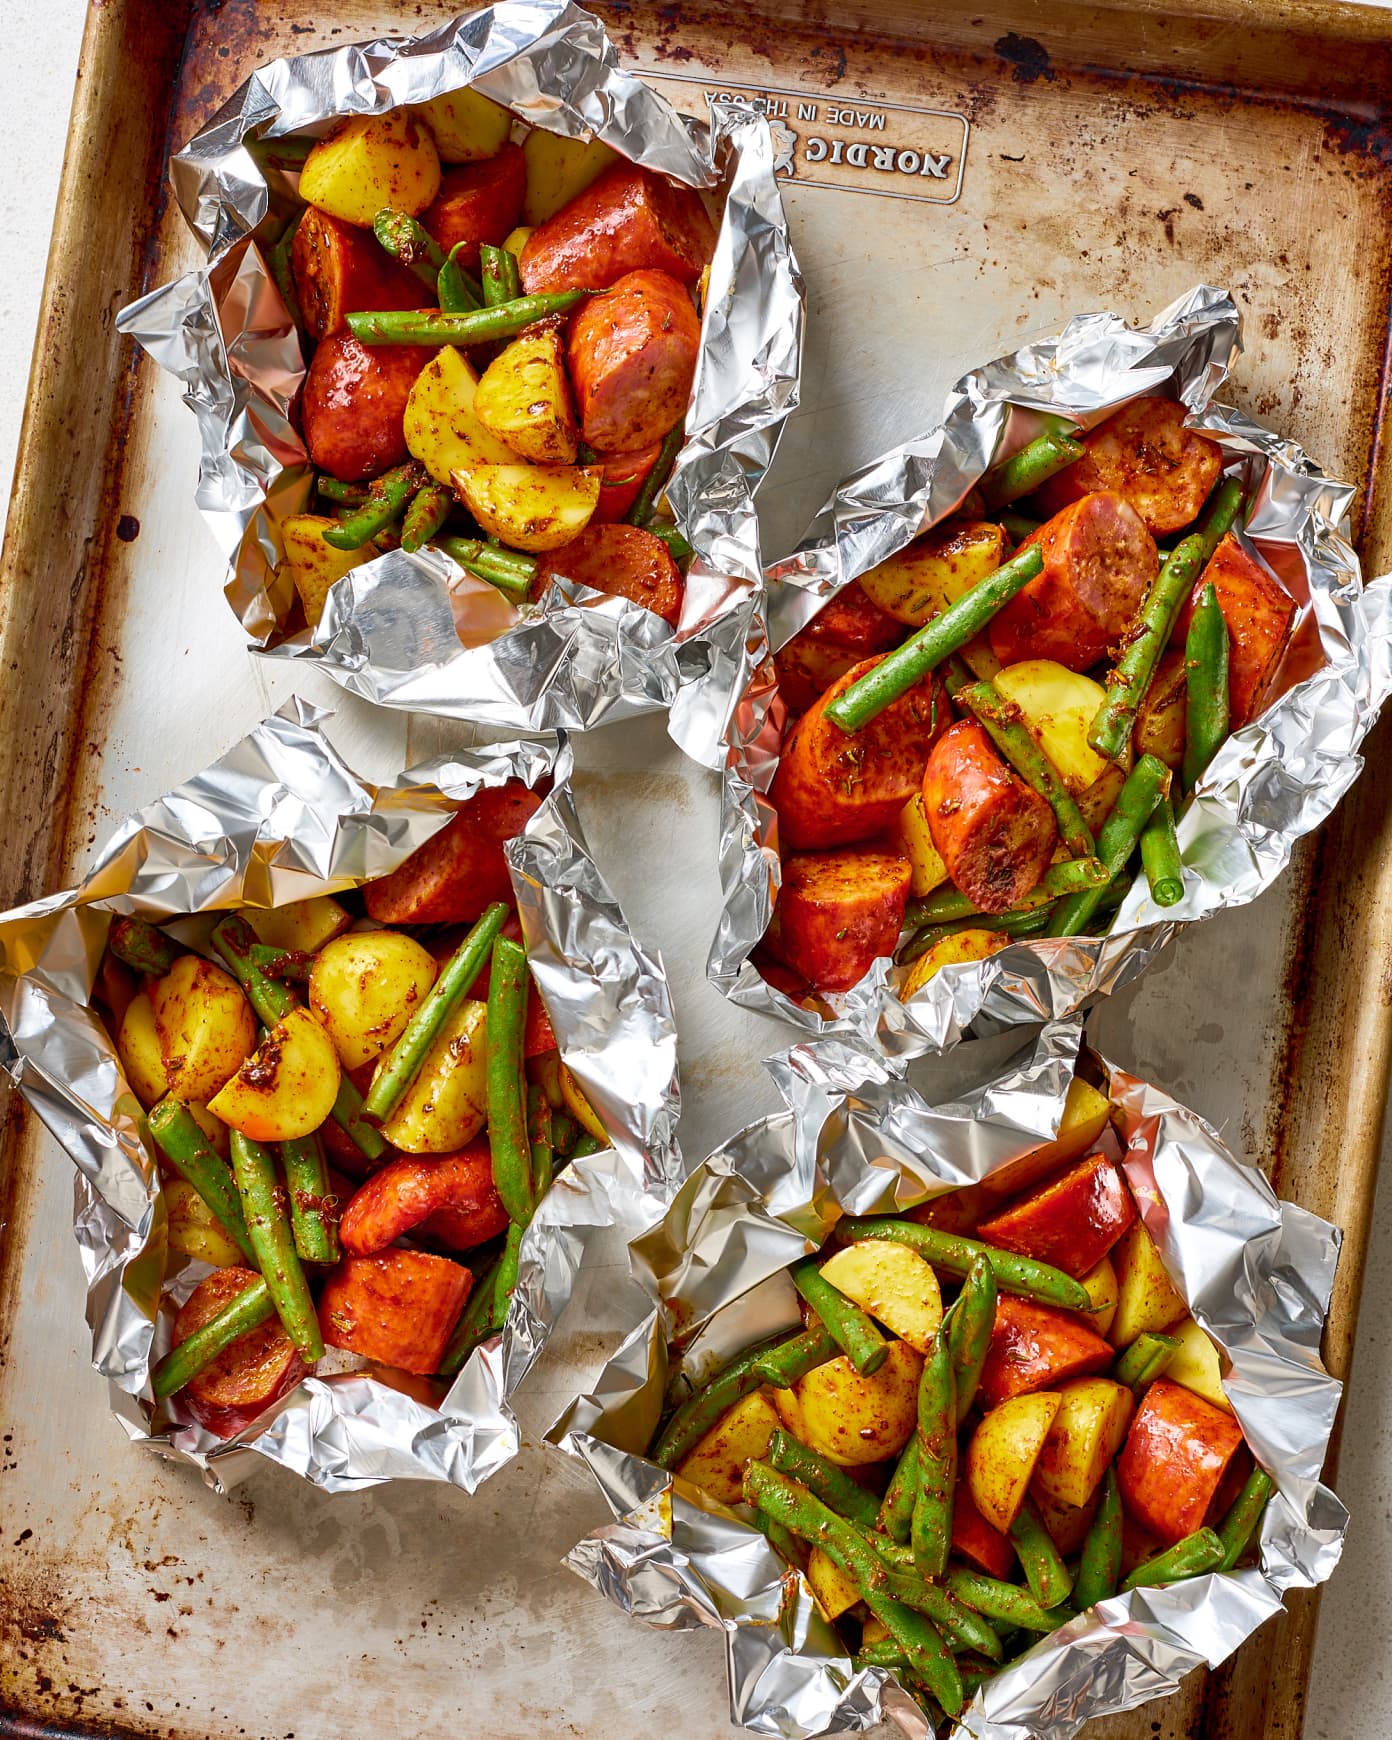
(1273,781)
(857,1139)
(417,632)
(281,817)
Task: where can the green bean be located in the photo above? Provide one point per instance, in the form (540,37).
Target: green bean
(429,509)
(949,903)
(343,494)
(1033,921)
(881,1652)
(263,1205)
(969,1333)
(1144,1360)
(783,1541)
(505,1281)
(287,153)
(1239,1525)
(897,1507)
(539,1140)
(348,1114)
(1019,526)
(282,270)
(586,1145)
(831,1484)
(1045,1571)
(960,622)
(1202,1551)
(479,326)
(502,282)
(963,1628)
(142,947)
(473,556)
(278,963)
(1146,784)
(386,501)
(656,480)
(1025,471)
(1100,1567)
(405,240)
(312,1218)
(699,1412)
(1160,857)
(564,1130)
(1222,509)
(850,1327)
(1206,701)
(682,552)
(507,1117)
(1130,678)
(931,1529)
(954,1253)
(184,1144)
(783,1365)
(455,290)
(423,1029)
(1001,720)
(478,1320)
(247,1311)
(1006,1602)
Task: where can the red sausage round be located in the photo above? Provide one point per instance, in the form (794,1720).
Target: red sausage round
(626,220)
(449,1196)
(632,357)
(1098,561)
(249,1376)
(354,401)
(1258,611)
(623,477)
(1146,456)
(460,870)
(1174,1459)
(340,269)
(624,560)
(993,832)
(839,911)
(477,203)
(398,1307)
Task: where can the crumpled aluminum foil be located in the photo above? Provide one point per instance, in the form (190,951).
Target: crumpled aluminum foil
(856,1138)
(281,817)
(1274,781)
(417,633)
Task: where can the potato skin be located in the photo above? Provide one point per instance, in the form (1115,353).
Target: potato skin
(935,570)
(477,203)
(625,561)
(954,949)
(205,1025)
(839,911)
(397,1307)
(1145,455)
(460,870)
(632,356)
(1098,561)
(353,405)
(1258,611)
(246,1378)
(993,832)
(365,987)
(287,1087)
(1176,1454)
(557,170)
(530,507)
(370,161)
(446,1103)
(833,789)
(524,399)
(340,269)
(465,125)
(441,427)
(627,220)
(315,566)
(847,629)
(1035,1348)
(1071,1223)
(852,1420)
(194,1230)
(450,1197)
(138,1045)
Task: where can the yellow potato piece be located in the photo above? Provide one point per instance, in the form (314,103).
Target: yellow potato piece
(194,1230)
(447,1101)
(1196,1364)
(1094,1415)
(1101,1285)
(315,566)
(365,988)
(213,1128)
(524,399)
(934,571)
(580,1108)
(835,1591)
(980,660)
(1099,800)
(300,924)
(927,868)
(1057,707)
(530,507)
(518,240)
(1085,1114)
(851,1419)
(1002,1454)
(1067,1524)
(893,1284)
(742,1435)
(558,169)
(440,426)
(961,945)
(287,1088)
(206,1026)
(371,161)
(466,125)
(1146,1297)
(138,1046)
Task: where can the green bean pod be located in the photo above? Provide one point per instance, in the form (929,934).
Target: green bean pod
(405,240)
(292,965)
(1160,859)
(831,1484)
(278,259)
(1001,721)
(1033,922)
(263,1205)
(183,1143)
(142,947)
(1206,702)
(1144,1360)
(341,494)
(850,1327)
(313,1221)
(477,1322)
(505,1281)
(1192,1557)
(1130,678)
(507,1115)
(973,1318)
(930,1532)
(954,1253)
(455,290)
(586,1144)
(695,1417)
(1099,1569)
(1045,1572)
(656,480)
(429,508)
(480,560)
(782,1366)
(249,1310)
(1025,471)
(1218,517)
(1006,1602)
(1074,875)
(387,498)
(897,1506)
(502,282)
(1146,784)
(479,326)
(540,1141)
(1239,1525)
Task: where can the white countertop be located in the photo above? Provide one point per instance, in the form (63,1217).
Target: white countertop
(1351,1696)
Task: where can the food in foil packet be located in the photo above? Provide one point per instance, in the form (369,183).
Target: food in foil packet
(1024,722)
(492,302)
(336,1115)
(995,1412)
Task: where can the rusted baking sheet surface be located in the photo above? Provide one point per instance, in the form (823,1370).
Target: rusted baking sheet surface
(1041,161)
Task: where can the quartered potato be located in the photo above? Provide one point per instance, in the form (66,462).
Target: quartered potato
(442,429)
(1196,1365)
(558,169)
(852,1419)
(961,945)
(138,1045)
(365,987)
(371,161)
(935,570)
(206,1026)
(447,1102)
(287,1088)
(1089,1428)
(315,566)
(300,924)
(524,399)
(1005,1447)
(580,1108)
(1085,1114)
(194,1230)
(916,843)
(465,125)
(893,1284)
(1146,1297)
(1102,1289)
(742,1435)
(531,507)
(835,1591)
(1057,707)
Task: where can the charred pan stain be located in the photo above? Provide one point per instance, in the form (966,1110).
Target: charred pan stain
(1029,59)
(1194,200)
(128,528)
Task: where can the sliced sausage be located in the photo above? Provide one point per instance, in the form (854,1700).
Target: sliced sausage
(1259,613)
(834,787)
(628,220)
(623,476)
(1098,561)
(353,405)
(453,1195)
(1173,1462)
(460,870)
(1070,1223)
(839,911)
(993,832)
(397,1307)
(249,1376)
(340,269)
(1146,456)
(1160,720)
(1034,1347)
(632,357)
(849,628)
(477,203)
(626,561)
(538,1035)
